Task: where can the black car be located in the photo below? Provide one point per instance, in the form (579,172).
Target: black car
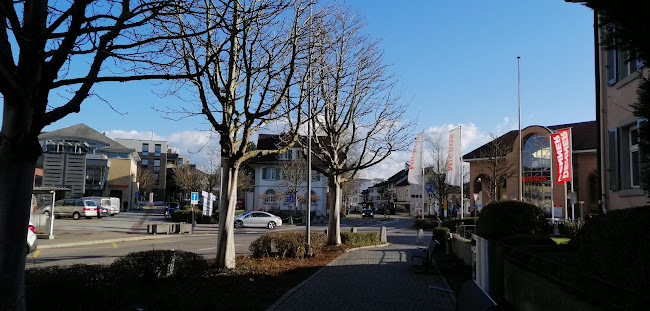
(367,213)
(170,208)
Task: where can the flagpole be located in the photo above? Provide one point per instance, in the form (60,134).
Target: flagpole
(521,195)
(573,210)
(462,182)
(422,180)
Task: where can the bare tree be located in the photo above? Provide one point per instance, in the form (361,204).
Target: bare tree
(145,180)
(51,55)
(349,189)
(499,165)
(358,121)
(293,175)
(436,170)
(249,55)
(189,178)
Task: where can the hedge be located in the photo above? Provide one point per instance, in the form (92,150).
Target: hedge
(156,264)
(359,239)
(453,222)
(616,247)
(285,244)
(504,218)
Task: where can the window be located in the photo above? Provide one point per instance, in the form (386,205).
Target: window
(156,165)
(315,176)
(180,161)
(269,196)
(634,156)
(145,149)
(157,148)
(145,162)
(156,179)
(620,64)
(624,158)
(269,173)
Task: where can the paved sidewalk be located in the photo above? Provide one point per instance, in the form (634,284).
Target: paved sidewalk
(377,278)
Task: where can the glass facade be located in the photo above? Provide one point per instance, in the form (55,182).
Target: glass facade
(536,175)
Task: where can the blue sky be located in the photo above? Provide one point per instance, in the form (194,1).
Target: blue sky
(456,62)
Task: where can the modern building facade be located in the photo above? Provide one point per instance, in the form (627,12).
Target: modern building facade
(88,163)
(498,161)
(158,157)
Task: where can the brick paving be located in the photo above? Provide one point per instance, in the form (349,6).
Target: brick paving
(378,278)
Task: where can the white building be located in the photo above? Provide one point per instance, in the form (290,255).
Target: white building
(270,190)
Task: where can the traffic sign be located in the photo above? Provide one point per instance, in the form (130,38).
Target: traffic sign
(429,188)
(194,198)
(291,199)
(137,194)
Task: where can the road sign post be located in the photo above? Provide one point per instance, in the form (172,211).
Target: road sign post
(194,199)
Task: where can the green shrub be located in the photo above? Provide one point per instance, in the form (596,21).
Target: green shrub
(440,234)
(616,247)
(503,218)
(425,224)
(359,239)
(79,275)
(149,265)
(285,244)
(185,215)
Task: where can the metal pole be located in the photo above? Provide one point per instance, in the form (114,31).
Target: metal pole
(573,209)
(462,182)
(521,197)
(550,146)
(308,194)
(52,214)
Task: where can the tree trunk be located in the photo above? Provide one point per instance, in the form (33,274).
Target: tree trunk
(334,227)
(227,204)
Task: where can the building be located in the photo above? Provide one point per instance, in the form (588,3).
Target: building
(88,163)
(494,171)
(158,157)
(617,79)
(355,198)
(270,191)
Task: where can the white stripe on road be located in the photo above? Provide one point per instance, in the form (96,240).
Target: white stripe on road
(205,249)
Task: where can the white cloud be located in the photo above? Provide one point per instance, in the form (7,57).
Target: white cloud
(195,144)
(472,138)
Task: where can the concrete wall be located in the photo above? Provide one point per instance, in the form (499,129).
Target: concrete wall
(527,291)
(462,248)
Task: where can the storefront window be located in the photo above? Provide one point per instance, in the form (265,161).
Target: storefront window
(536,175)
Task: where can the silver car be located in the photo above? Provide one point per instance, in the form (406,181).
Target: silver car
(75,208)
(257,219)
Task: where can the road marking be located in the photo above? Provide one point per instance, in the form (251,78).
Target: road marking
(205,249)
(114,245)
(35,254)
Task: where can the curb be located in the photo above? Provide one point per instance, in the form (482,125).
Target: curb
(130,239)
(295,288)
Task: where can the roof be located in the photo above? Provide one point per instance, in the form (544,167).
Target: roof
(275,142)
(584,136)
(82,131)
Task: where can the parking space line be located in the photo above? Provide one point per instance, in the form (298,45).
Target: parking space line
(114,245)
(205,249)
(35,254)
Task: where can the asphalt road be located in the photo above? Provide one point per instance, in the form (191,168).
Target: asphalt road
(398,228)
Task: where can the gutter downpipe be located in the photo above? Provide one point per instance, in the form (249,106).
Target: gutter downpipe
(602,198)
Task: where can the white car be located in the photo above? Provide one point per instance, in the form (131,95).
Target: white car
(257,219)
(32,240)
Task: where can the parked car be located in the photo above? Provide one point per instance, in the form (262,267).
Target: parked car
(170,208)
(367,213)
(32,240)
(75,208)
(107,205)
(257,219)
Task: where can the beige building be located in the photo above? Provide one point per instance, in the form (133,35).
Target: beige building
(617,80)
(495,175)
(122,180)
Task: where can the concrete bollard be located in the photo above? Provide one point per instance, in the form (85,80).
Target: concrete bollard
(325,231)
(353,230)
(382,235)
(420,236)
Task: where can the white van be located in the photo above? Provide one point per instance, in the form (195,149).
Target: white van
(109,206)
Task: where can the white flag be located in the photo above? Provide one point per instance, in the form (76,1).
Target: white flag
(453,160)
(415,167)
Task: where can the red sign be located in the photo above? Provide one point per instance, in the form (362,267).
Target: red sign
(562,146)
(534,179)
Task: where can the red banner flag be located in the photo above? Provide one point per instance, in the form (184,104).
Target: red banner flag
(562,146)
